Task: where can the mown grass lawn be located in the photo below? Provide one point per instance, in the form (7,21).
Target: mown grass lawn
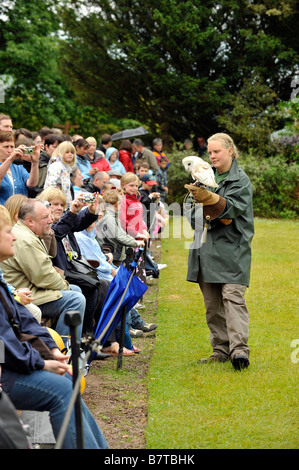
(211,406)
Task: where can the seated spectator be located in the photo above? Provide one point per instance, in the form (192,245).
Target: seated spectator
(96,157)
(113,160)
(97,182)
(34,382)
(31,267)
(83,162)
(125,155)
(14,179)
(64,227)
(58,174)
(90,249)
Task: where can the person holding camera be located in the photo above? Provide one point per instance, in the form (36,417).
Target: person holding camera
(14,179)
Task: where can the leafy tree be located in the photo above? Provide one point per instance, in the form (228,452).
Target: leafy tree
(36,94)
(176,64)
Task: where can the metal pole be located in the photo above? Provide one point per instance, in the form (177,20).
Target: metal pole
(73,319)
(122,337)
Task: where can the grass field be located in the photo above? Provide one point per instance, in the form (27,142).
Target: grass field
(211,406)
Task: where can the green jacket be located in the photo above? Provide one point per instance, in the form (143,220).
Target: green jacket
(31,267)
(225,257)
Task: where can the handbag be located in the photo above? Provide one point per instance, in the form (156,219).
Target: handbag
(81,273)
(35,341)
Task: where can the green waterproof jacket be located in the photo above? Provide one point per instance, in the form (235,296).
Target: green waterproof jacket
(225,257)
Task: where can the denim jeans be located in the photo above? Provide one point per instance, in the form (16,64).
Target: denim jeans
(46,391)
(71,300)
(134,320)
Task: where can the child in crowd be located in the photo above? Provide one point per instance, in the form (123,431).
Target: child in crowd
(109,230)
(58,174)
(142,168)
(131,211)
(162,180)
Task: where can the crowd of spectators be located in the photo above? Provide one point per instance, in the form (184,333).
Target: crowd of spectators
(65,198)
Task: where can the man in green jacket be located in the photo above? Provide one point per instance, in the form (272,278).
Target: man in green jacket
(31,267)
(221,265)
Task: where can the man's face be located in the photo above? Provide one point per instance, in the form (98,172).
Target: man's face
(100,182)
(41,221)
(50,148)
(6,125)
(6,149)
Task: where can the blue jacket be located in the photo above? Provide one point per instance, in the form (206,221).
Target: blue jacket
(84,166)
(20,176)
(67,225)
(19,358)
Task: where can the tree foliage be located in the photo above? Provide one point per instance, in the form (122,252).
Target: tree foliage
(36,92)
(177,64)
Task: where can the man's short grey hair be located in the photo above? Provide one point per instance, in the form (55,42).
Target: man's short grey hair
(138,142)
(27,208)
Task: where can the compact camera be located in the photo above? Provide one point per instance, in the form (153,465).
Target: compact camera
(28,150)
(88,198)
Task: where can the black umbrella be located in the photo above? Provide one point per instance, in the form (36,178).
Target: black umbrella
(128,133)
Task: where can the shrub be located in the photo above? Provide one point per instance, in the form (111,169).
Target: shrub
(275,183)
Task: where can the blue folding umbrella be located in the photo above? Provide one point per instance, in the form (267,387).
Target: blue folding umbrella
(124,291)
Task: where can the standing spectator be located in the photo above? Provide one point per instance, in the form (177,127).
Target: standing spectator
(106,142)
(96,157)
(145,154)
(162,181)
(157,149)
(51,143)
(14,179)
(83,162)
(58,174)
(5,123)
(125,155)
(97,182)
(113,160)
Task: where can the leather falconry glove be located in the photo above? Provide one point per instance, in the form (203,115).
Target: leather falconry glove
(213,204)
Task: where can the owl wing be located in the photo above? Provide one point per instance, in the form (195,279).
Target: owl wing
(204,174)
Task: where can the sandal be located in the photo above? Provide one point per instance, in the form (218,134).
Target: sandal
(136,350)
(114,350)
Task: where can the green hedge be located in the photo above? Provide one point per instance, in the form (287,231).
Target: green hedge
(275,183)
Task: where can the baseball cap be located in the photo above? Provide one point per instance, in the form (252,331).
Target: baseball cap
(148,179)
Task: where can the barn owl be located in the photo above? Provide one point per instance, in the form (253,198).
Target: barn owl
(200,170)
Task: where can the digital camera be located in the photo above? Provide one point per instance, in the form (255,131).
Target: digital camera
(28,150)
(88,198)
